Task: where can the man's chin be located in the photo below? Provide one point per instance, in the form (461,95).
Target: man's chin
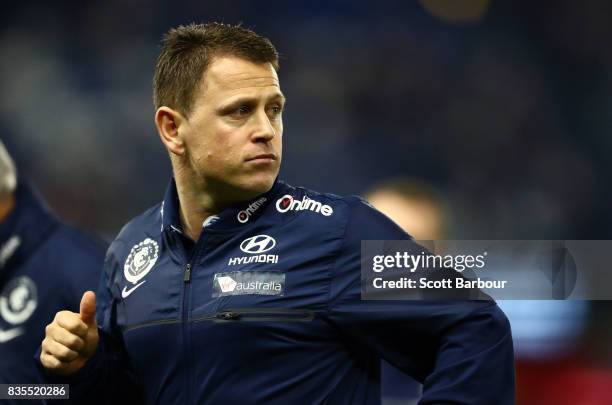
(261,186)
(256,185)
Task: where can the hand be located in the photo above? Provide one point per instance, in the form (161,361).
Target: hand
(71,339)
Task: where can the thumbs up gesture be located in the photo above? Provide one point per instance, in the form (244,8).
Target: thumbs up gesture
(71,339)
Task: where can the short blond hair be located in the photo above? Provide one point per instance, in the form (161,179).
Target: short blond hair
(8,173)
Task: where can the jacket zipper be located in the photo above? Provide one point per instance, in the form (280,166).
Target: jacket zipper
(152,323)
(186,336)
(260,314)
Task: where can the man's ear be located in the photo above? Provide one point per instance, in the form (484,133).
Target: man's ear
(168,122)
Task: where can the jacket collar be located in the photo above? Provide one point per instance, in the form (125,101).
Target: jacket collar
(25,228)
(233,217)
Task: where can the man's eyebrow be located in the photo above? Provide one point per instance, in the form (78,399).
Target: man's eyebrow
(250,100)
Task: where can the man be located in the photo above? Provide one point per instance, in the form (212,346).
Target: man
(239,288)
(44,266)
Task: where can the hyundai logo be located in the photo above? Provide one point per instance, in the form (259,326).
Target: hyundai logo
(257,244)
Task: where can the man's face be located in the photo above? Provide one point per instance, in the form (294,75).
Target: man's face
(233,136)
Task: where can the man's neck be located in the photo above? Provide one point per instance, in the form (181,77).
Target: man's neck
(194,209)
(6,206)
(196,203)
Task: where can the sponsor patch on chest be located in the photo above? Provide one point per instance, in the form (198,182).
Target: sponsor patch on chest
(249,282)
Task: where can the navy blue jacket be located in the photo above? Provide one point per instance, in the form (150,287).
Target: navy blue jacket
(266,309)
(45,266)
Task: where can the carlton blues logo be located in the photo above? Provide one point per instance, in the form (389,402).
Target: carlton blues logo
(141,260)
(18,300)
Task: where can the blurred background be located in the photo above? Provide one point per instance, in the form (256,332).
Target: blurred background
(503,107)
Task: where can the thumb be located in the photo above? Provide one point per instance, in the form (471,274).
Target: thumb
(88,308)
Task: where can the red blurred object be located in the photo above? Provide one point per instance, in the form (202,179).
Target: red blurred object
(566,382)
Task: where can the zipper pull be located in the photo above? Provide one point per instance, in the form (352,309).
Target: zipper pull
(228,316)
(187,276)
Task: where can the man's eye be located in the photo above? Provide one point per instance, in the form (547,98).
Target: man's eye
(275,110)
(244,109)
(241,111)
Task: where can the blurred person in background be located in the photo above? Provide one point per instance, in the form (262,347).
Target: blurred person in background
(416,206)
(44,267)
(420,210)
(239,288)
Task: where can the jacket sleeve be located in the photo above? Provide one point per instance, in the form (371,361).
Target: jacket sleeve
(460,350)
(107,377)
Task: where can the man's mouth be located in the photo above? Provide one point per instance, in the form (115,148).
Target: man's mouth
(264,157)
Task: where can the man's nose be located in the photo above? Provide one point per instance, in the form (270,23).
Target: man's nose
(264,130)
